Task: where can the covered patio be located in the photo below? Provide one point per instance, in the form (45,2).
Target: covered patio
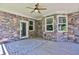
(54,31)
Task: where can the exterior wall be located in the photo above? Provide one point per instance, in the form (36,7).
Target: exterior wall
(32,33)
(37,32)
(55,36)
(38,28)
(49,35)
(74,27)
(73,30)
(71,35)
(10,26)
(61,36)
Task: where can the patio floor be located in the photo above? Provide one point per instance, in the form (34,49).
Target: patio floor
(41,47)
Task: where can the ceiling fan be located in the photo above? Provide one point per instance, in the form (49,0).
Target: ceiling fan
(37,8)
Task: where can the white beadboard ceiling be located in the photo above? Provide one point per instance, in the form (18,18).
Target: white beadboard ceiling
(52,8)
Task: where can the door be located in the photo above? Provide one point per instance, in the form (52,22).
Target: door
(23,29)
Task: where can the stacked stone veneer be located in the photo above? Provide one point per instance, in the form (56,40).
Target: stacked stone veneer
(10,26)
(74,27)
(71,35)
(55,35)
(49,35)
(71,26)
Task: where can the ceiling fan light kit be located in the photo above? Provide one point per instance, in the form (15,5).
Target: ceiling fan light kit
(36,10)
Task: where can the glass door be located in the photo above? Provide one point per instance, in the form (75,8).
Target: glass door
(23,29)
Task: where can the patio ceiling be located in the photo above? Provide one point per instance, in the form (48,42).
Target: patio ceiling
(52,8)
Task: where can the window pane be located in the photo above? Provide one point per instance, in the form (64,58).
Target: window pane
(49,20)
(49,27)
(23,31)
(30,22)
(62,27)
(59,27)
(30,27)
(62,19)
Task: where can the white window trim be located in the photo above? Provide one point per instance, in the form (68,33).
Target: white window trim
(62,23)
(26,29)
(33,25)
(46,24)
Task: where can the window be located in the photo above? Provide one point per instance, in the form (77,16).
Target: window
(49,24)
(62,23)
(31,25)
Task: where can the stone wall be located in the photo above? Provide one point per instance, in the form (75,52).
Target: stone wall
(74,27)
(37,32)
(49,35)
(38,28)
(55,36)
(73,30)
(71,35)
(10,26)
(32,33)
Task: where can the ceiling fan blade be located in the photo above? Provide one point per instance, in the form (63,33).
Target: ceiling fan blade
(30,7)
(42,8)
(39,11)
(32,11)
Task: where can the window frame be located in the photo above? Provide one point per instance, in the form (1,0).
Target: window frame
(49,24)
(62,23)
(32,25)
